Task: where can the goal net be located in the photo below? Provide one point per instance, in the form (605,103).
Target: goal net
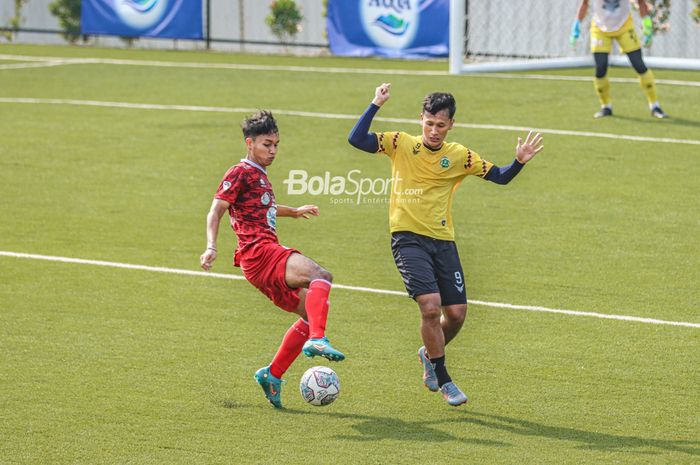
(510,35)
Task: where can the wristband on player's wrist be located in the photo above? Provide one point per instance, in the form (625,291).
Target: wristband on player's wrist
(211,248)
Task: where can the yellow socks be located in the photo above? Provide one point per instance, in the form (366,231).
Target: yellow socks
(648,84)
(602,88)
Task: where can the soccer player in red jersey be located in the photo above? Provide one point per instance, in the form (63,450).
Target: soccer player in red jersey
(293,282)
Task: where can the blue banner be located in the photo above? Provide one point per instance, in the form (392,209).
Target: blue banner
(172,19)
(389,28)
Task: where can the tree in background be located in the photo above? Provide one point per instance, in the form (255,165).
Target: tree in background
(325,17)
(68,14)
(660,12)
(14,21)
(284,19)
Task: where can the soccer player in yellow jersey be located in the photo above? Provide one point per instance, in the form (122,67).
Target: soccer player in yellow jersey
(612,20)
(426,171)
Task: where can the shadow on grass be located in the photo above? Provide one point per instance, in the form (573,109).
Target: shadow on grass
(672,121)
(374,428)
(587,439)
(228,403)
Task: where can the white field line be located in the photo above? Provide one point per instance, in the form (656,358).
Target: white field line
(159,269)
(31,65)
(323,69)
(588,79)
(308,114)
(232,66)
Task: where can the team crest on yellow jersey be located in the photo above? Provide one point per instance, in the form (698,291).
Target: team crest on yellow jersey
(445,162)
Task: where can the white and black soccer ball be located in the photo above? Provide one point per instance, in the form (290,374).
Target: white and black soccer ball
(319,386)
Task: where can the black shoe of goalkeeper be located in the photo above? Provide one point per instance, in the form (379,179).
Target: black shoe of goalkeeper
(657,112)
(605,111)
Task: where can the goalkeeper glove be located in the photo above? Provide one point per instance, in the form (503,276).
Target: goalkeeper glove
(647,30)
(575,32)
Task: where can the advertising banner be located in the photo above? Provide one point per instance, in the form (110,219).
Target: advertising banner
(172,19)
(389,28)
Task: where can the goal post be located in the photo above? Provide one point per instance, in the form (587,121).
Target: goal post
(457,35)
(505,35)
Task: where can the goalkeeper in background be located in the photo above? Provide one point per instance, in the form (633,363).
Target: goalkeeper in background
(612,20)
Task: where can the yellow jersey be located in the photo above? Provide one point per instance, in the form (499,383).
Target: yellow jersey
(424,182)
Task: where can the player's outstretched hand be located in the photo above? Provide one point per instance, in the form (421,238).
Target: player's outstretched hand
(206,260)
(533,145)
(305,210)
(381,94)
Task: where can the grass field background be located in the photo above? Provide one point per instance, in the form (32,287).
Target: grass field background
(114,366)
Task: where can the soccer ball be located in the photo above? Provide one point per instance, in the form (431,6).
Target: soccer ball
(319,386)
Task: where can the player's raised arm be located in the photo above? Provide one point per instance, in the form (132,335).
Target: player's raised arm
(299,212)
(576,26)
(360,137)
(217,210)
(524,152)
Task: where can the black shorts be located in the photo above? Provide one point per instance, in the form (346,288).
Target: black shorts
(429,266)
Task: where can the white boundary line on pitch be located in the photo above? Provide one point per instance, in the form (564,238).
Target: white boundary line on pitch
(308,114)
(555,77)
(160,269)
(322,69)
(31,65)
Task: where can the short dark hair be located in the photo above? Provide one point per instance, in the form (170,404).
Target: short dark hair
(438,101)
(259,124)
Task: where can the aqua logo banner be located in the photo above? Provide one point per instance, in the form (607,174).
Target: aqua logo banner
(390,28)
(173,19)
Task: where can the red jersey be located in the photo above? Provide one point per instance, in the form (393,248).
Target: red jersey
(253,210)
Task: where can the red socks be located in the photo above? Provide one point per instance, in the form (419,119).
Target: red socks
(301,331)
(317,307)
(290,348)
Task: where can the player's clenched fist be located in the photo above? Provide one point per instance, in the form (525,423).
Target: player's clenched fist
(207,259)
(381,94)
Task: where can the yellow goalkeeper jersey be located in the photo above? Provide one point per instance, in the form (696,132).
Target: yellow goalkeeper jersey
(424,182)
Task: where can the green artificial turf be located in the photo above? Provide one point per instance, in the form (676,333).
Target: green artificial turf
(105,365)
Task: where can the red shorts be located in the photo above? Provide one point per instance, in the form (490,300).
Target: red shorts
(264,266)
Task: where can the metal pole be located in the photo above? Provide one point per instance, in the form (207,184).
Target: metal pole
(241,23)
(208,24)
(465,39)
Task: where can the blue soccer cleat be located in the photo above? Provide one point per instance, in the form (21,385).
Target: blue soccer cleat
(429,377)
(322,347)
(271,386)
(453,395)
